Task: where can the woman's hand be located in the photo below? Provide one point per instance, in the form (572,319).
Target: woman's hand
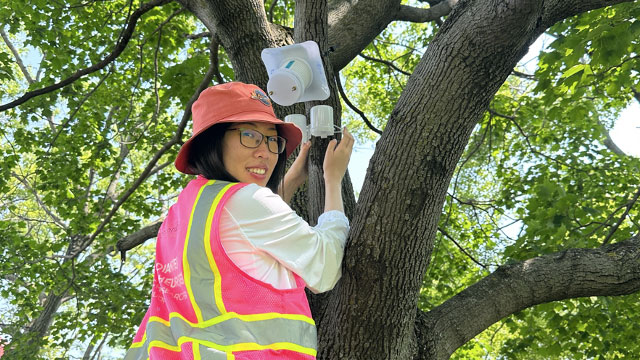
(337,158)
(297,174)
(335,164)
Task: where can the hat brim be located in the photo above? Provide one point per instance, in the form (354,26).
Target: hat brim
(288,131)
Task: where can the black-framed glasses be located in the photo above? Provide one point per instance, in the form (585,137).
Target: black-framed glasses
(253,138)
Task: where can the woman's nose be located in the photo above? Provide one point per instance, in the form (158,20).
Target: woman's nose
(263,149)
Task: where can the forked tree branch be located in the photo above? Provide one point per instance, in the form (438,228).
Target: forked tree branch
(119,48)
(610,270)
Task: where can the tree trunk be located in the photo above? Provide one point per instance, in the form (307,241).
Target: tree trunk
(405,187)
(29,348)
(373,311)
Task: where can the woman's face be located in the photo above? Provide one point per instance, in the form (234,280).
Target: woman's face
(249,165)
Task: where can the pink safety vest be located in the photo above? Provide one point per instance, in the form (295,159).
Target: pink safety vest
(203,306)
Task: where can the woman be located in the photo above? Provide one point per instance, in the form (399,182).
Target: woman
(232,258)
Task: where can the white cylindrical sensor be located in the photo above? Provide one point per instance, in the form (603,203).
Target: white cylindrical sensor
(287,84)
(301,122)
(301,68)
(322,121)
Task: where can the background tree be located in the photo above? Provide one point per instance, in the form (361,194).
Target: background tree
(96,98)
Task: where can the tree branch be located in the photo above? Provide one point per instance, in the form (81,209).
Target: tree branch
(606,221)
(77,109)
(39,72)
(607,271)
(354,25)
(198,35)
(609,144)
(44,207)
(122,155)
(446,234)
(160,167)
(523,75)
(99,349)
(615,227)
(271,8)
(16,55)
(176,139)
(558,10)
(421,15)
(353,107)
(526,138)
(132,240)
(386,62)
(214,45)
(119,48)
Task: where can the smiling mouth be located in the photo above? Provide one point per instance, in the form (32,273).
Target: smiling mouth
(257,171)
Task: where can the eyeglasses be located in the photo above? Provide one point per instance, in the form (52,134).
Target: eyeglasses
(252,139)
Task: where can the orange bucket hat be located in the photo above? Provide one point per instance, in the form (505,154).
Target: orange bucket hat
(234,102)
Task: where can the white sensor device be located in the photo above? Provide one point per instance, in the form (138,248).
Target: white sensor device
(321,122)
(301,122)
(295,73)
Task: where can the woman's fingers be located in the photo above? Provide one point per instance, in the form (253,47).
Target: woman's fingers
(331,147)
(337,157)
(298,173)
(304,152)
(304,149)
(348,139)
(346,144)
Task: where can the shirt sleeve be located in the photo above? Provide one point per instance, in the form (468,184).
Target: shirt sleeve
(270,225)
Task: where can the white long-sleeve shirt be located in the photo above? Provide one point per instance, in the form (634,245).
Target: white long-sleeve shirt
(266,239)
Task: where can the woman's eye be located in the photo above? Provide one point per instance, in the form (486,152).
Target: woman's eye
(273,139)
(248,134)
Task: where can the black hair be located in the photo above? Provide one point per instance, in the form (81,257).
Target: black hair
(205,157)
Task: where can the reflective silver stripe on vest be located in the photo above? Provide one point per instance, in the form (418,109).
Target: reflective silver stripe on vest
(202,281)
(228,333)
(230,330)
